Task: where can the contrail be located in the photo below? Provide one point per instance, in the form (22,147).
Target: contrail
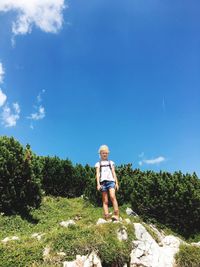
(163,104)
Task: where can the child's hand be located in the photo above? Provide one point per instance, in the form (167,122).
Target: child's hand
(98,187)
(117,186)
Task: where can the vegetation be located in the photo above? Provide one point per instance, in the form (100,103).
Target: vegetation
(170,199)
(36,193)
(81,238)
(20,177)
(188,256)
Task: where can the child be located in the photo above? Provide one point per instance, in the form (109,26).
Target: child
(107,182)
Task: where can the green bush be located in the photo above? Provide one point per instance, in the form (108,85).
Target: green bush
(61,178)
(173,200)
(20,177)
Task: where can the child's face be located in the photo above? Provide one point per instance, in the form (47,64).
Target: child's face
(104,154)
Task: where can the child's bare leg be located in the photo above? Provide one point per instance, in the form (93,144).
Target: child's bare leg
(105,204)
(114,202)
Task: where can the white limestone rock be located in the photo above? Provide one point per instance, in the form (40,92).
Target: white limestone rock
(12,238)
(37,235)
(5,240)
(101,221)
(127,220)
(130,212)
(67,223)
(84,261)
(46,253)
(61,253)
(197,244)
(148,253)
(122,234)
(160,235)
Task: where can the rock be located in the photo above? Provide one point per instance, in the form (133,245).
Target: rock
(61,253)
(148,253)
(102,221)
(15,238)
(7,239)
(127,221)
(171,241)
(77,217)
(93,260)
(122,234)
(160,235)
(46,253)
(130,212)
(37,235)
(118,221)
(67,223)
(197,244)
(84,261)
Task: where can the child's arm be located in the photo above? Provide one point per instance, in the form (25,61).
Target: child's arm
(97,178)
(115,177)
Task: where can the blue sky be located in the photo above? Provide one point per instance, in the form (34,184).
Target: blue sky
(78,74)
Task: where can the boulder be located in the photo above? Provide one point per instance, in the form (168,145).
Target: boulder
(148,253)
(67,223)
(101,221)
(91,260)
(197,244)
(7,239)
(122,234)
(37,235)
(130,212)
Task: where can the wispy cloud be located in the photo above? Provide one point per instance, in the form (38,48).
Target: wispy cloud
(39,113)
(47,15)
(141,155)
(152,161)
(10,116)
(1,72)
(39,96)
(3,98)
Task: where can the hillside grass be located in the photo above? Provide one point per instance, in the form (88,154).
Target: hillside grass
(82,238)
(188,256)
(79,239)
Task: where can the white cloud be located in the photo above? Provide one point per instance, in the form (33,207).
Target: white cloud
(40,110)
(141,155)
(39,97)
(3,98)
(152,161)
(39,115)
(16,107)
(9,118)
(47,15)
(1,73)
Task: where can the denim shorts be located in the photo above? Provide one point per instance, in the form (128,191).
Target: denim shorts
(106,185)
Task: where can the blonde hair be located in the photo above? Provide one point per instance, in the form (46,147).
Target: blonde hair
(103,147)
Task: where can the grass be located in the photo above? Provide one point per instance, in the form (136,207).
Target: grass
(188,256)
(81,238)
